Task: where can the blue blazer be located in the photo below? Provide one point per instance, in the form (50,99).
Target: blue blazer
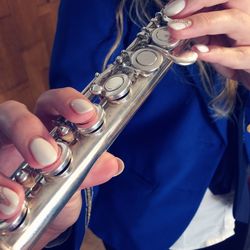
(173,148)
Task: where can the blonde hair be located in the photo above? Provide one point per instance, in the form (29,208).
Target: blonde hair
(222,103)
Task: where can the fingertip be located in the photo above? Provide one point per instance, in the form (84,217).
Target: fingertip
(81,106)
(11,198)
(43,152)
(201,48)
(104,169)
(121,166)
(186,58)
(82,111)
(174,8)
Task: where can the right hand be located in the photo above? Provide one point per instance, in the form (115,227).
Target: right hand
(25,137)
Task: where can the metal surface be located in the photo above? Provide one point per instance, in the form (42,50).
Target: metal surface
(147,60)
(161,37)
(118,92)
(6,227)
(116,87)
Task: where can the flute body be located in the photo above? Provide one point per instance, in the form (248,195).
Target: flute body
(117,93)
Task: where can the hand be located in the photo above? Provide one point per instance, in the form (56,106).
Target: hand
(24,136)
(220,28)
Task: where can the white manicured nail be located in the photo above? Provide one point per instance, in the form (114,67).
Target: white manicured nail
(9,201)
(174,7)
(179,24)
(202,48)
(43,152)
(186,58)
(81,106)
(189,56)
(121,166)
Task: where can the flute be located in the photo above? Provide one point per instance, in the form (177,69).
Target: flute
(117,94)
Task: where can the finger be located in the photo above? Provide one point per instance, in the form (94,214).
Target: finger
(105,168)
(28,134)
(215,41)
(14,159)
(11,198)
(66,102)
(233,23)
(225,71)
(182,8)
(234,58)
(184,58)
(73,208)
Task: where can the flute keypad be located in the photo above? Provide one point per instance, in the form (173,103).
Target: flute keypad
(116,87)
(114,83)
(161,37)
(147,59)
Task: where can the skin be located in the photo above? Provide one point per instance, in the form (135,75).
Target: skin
(18,126)
(221,25)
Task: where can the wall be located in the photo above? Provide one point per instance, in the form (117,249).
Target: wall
(26,36)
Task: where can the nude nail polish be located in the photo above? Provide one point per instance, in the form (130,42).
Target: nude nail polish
(179,24)
(43,152)
(201,48)
(9,201)
(174,8)
(81,106)
(121,166)
(186,58)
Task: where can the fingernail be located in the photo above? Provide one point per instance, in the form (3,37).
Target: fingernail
(189,56)
(201,48)
(43,152)
(174,7)
(186,58)
(121,166)
(9,201)
(179,24)
(81,106)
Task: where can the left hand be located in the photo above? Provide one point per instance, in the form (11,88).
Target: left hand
(220,29)
(24,136)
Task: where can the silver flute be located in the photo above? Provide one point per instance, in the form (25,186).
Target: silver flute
(117,94)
